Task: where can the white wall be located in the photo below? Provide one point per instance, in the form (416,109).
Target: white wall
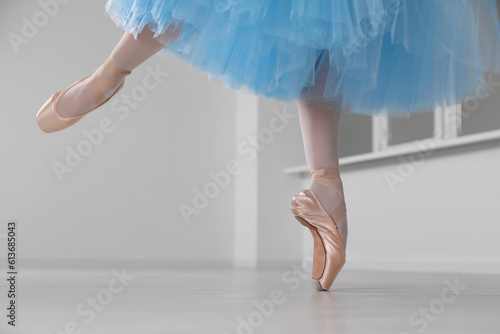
(121,202)
(280,235)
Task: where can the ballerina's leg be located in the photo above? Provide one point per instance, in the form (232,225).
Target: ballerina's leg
(128,54)
(320,126)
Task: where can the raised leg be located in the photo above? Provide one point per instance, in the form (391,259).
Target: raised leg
(126,56)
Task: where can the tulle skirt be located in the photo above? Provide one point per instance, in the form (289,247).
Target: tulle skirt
(393,57)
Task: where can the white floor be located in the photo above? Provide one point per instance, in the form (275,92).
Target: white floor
(224,301)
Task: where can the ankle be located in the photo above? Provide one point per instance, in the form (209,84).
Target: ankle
(327,185)
(330,198)
(113,68)
(106,79)
(109,71)
(328,176)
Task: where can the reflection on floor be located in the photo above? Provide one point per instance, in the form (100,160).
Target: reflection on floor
(225,300)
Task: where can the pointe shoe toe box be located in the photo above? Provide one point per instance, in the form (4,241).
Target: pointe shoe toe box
(49,120)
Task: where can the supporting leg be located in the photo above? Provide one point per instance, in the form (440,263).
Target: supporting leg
(320,133)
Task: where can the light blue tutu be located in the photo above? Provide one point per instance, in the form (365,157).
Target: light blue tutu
(370,57)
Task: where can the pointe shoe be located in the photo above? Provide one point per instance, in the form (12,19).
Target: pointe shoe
(49,120)
(329,249)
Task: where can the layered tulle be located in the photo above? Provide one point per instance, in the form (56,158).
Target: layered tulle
(371,56)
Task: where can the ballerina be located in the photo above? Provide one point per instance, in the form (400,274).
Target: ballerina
(371,57)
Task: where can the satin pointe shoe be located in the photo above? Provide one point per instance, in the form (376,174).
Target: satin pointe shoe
(49,120)
(329,249)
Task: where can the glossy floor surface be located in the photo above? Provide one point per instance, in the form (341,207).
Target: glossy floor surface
(227,301)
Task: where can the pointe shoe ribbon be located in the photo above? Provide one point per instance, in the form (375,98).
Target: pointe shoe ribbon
(98,82)
(49,120)
(330,177)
